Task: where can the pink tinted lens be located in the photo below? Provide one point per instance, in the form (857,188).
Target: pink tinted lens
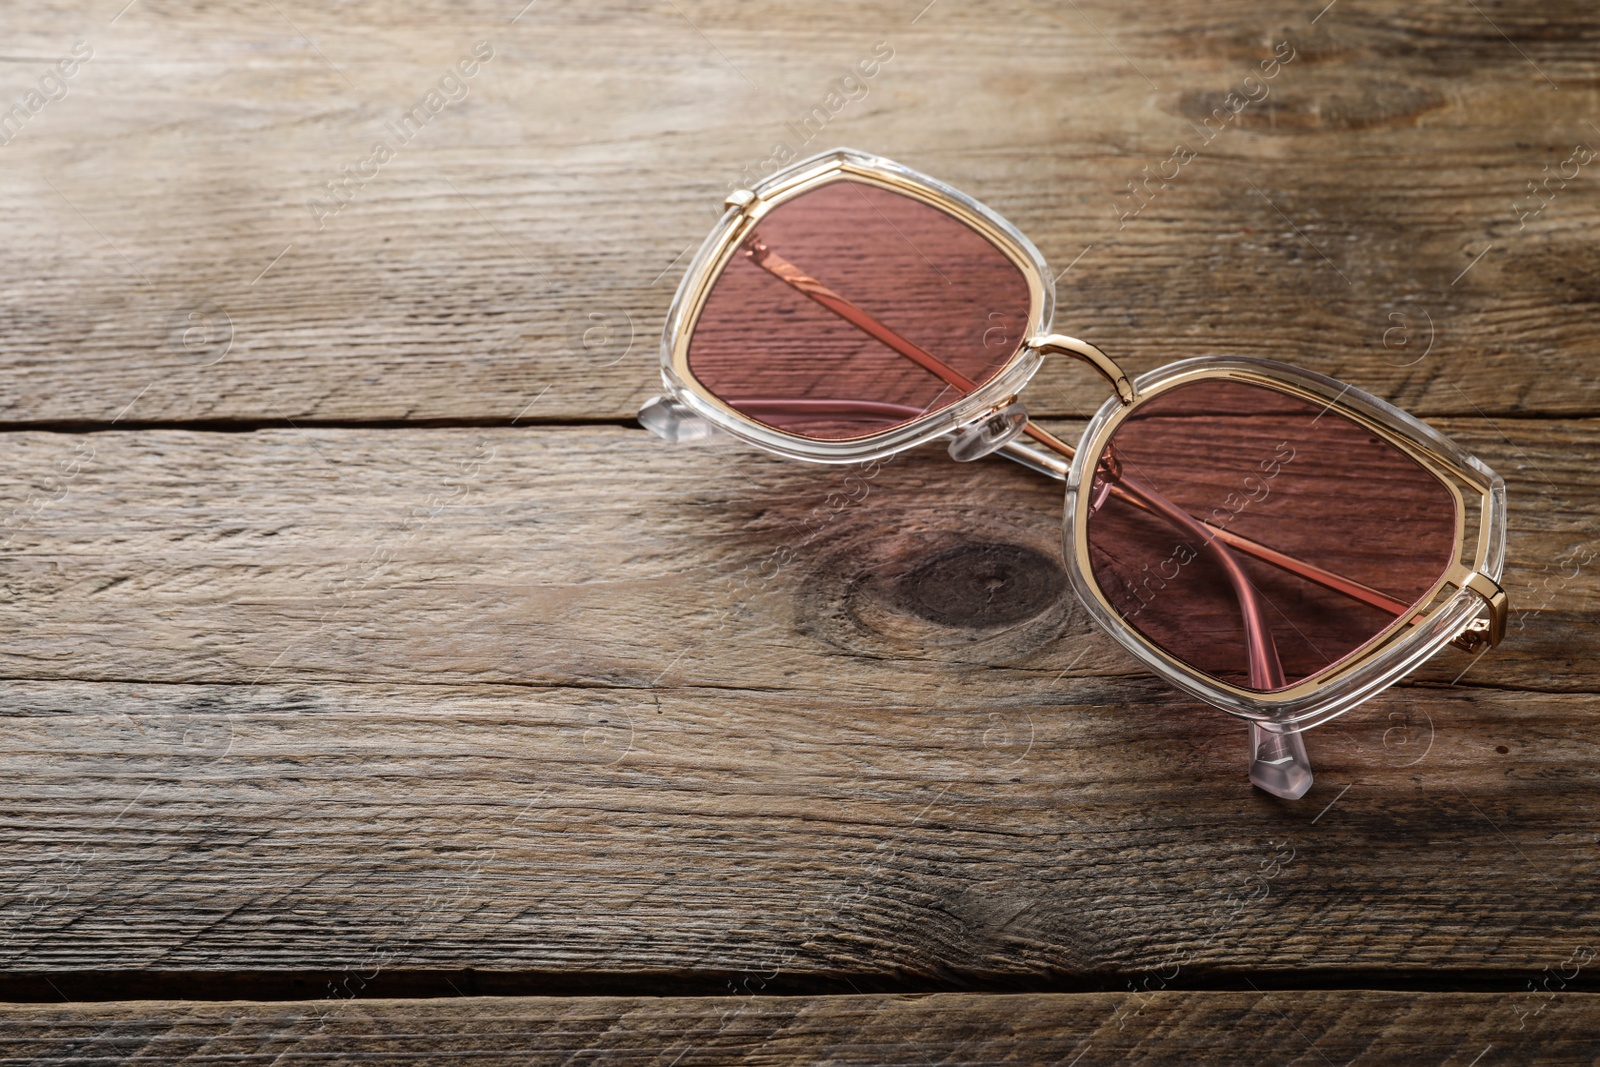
(853,309)
(1202,466)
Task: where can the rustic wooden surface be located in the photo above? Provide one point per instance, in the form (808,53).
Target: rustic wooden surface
(1086,1030)
(356,644)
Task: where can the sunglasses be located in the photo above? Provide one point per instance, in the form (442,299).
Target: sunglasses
(1275,543)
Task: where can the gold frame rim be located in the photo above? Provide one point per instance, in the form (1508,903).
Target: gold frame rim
(1458,575)
(748,207)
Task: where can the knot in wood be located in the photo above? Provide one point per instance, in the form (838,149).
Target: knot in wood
(981,585)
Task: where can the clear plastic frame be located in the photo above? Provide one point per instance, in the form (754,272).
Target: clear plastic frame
(744,212)
(1459,602)
(1455,601)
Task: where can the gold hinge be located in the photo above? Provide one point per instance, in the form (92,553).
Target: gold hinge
(1492,630)
(1474,637)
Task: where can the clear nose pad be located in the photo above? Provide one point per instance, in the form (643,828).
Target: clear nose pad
(672,421)
(978,439)
(1278,761)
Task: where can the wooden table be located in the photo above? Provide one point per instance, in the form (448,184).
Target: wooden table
(375,689)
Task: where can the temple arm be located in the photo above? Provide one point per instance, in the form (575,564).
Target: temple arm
(797,279)
(1278,761)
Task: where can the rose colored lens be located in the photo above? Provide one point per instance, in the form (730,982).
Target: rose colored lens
(1360,531)
(853,309)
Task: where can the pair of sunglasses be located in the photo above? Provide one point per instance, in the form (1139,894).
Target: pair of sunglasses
(1273,542)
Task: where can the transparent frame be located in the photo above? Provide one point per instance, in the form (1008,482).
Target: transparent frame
(988,419)
(741,217)
(1413,637)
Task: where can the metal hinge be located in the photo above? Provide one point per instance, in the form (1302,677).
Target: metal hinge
(1474,637)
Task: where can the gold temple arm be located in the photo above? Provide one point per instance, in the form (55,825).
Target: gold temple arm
(799,280)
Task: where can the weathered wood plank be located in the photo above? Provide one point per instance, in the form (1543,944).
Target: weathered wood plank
(601,556)
(1301,1028)
(1332,224)
(877,745)
(787,839)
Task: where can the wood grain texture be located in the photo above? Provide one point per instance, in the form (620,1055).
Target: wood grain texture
(602,556)
(1087,1030)
(569,702)
(163,264)
(791,841)
(350,703)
